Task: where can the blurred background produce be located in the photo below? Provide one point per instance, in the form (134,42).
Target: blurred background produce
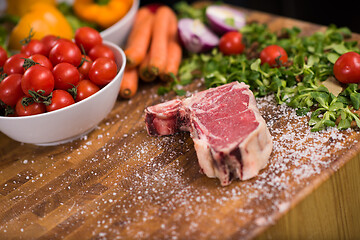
(60,18)
(42,18)
(343,13)
(102,12)
(21,7)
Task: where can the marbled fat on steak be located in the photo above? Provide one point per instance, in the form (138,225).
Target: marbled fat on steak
(231,138)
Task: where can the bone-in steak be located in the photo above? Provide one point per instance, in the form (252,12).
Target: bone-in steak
(230,136)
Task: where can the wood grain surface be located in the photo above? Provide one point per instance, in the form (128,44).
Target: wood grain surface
(119,183)
(330,212)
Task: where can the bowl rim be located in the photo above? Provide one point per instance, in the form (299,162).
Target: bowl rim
(135,5)
(68,108)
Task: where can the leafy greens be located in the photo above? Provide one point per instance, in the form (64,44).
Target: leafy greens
(297,84)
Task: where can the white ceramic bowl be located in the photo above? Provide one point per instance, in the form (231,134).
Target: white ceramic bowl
(118,32)
(71,122)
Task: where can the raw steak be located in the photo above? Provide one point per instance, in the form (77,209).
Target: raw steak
(231,138)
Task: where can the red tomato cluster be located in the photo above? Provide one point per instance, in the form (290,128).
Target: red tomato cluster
(231,43)
(53,73)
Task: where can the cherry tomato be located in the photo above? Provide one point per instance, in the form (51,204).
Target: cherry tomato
(65,51)
(37,78)
(101,51)
(49,42)
(231,43)
(87,37)
(32,109)
(85,67)
(347,68)
(14,64)
(273,55)
(66,76)
(85,89)
(60,99)
(42,60)
(10,89)
(3,56)
(102,71)
(35,46)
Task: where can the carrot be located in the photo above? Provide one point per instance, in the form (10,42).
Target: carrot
(140,16)
(159,42)
(145,74)
(139,41)
(173,62)
(129,83)
(173,26)
(174,52)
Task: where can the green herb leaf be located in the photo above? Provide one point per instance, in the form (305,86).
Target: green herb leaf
(344,124)
(321,97)
(312,60)
(339,48)
(332,57)
(355,100)
(336,106)
(163,90)
(302,111)
(180,92)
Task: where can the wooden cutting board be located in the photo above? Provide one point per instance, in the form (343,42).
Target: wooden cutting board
(119,183)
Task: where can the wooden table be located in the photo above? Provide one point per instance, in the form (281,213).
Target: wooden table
(119,183)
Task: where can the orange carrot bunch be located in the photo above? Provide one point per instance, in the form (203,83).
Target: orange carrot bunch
(152,49)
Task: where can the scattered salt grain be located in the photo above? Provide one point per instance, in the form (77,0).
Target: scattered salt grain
(298,155)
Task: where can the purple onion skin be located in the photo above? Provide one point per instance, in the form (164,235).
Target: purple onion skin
(218,25)
(196,42)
